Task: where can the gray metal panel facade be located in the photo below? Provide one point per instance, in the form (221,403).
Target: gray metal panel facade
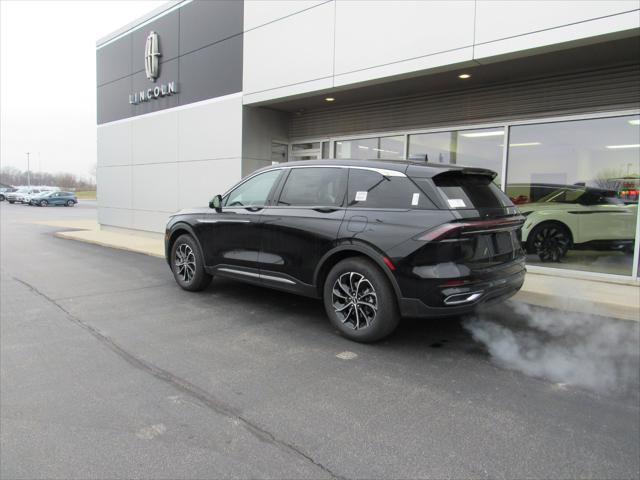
(601,90)
(201,47)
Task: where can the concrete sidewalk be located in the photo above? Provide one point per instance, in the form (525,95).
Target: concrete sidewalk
(619,300)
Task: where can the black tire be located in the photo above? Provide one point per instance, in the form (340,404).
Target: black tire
(1,198)
(344,286)
(550,241)
(70,203)
(12,202)
(44,203)
(192,278)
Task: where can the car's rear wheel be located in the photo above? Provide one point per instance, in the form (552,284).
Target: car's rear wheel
(70,203)
(550,241)
(44,203)
(360,301)
(187,264)
(1,198)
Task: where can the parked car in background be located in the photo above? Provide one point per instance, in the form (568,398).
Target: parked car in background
(19,195)
(375,240)
(34,199)
(577,217)
(4,191)
(68,199)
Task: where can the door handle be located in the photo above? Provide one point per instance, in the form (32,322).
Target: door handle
(253,209)
(325,209)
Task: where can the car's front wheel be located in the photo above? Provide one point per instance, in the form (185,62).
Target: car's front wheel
(44,203)
(70,203)
(360,301)
(550,241)
(187,264)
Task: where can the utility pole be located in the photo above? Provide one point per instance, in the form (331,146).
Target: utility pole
(28,171)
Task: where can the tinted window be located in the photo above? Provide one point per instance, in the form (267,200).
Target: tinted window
(253,192)
(470,191)
(369,189)
(314,186)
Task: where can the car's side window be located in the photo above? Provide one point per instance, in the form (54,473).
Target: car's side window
(253,192)
(317,186)
(370,189)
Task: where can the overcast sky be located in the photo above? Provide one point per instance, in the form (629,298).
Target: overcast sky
(48,79)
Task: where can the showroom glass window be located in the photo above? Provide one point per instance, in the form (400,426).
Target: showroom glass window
(382,148)
(314,187)
(474,148)
(581,177)
(254,192)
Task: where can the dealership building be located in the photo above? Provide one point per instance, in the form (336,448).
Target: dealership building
(198,94)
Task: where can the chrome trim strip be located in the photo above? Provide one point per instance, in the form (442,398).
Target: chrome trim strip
(277,279)
(257,275)
(240,272)
(382,171)
(468,297)
(221,220)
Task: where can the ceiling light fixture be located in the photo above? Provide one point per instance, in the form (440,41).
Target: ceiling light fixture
(464,76)
(329,99)
(635,122)
(526,144)
(631,145)
(492,133)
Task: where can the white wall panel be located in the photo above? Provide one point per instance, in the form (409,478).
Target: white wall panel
(116,217)
(114,144)
(211,130)
(259,12)
(373,33)
(114,186)
(149,221)
(200,181)
(497,19)
(293,50)
(548,40)
(155,187)
(155,138)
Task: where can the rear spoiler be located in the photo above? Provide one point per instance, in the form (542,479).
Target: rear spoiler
(432,170)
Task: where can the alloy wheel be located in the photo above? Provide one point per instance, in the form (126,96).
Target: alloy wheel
(354,300)
(551,244)
(185,262)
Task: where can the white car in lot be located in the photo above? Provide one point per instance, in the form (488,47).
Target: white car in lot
(577,218)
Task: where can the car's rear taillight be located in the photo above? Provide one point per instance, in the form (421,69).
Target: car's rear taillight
(471,226)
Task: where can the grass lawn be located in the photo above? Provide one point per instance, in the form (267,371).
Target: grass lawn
(86,195)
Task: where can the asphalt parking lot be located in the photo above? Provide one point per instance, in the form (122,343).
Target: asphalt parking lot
(109,370)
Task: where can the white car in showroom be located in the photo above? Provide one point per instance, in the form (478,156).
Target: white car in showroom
(577,218)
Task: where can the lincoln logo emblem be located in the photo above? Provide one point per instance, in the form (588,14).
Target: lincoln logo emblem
(151,56)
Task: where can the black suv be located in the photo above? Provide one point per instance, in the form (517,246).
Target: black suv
(375,240)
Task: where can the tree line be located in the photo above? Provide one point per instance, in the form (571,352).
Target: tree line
(65,180)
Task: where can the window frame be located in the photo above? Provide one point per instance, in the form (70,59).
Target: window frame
(269,199)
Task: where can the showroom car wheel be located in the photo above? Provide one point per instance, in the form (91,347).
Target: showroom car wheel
(360,301)
(70,203)
(550,241)
(44,203)
(187,264)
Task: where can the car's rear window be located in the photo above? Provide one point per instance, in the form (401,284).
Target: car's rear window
(370,189)
(463,190)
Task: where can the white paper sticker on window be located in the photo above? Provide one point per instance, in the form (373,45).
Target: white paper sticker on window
(456,203)
(361,196)
(415,199)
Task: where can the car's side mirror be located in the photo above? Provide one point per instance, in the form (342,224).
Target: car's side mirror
(216,203)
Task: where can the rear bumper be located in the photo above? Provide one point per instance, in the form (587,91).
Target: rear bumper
(496,290)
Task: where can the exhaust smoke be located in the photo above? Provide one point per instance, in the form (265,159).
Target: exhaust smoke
(579,349)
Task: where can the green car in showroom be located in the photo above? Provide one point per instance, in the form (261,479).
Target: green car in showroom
(577,218)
